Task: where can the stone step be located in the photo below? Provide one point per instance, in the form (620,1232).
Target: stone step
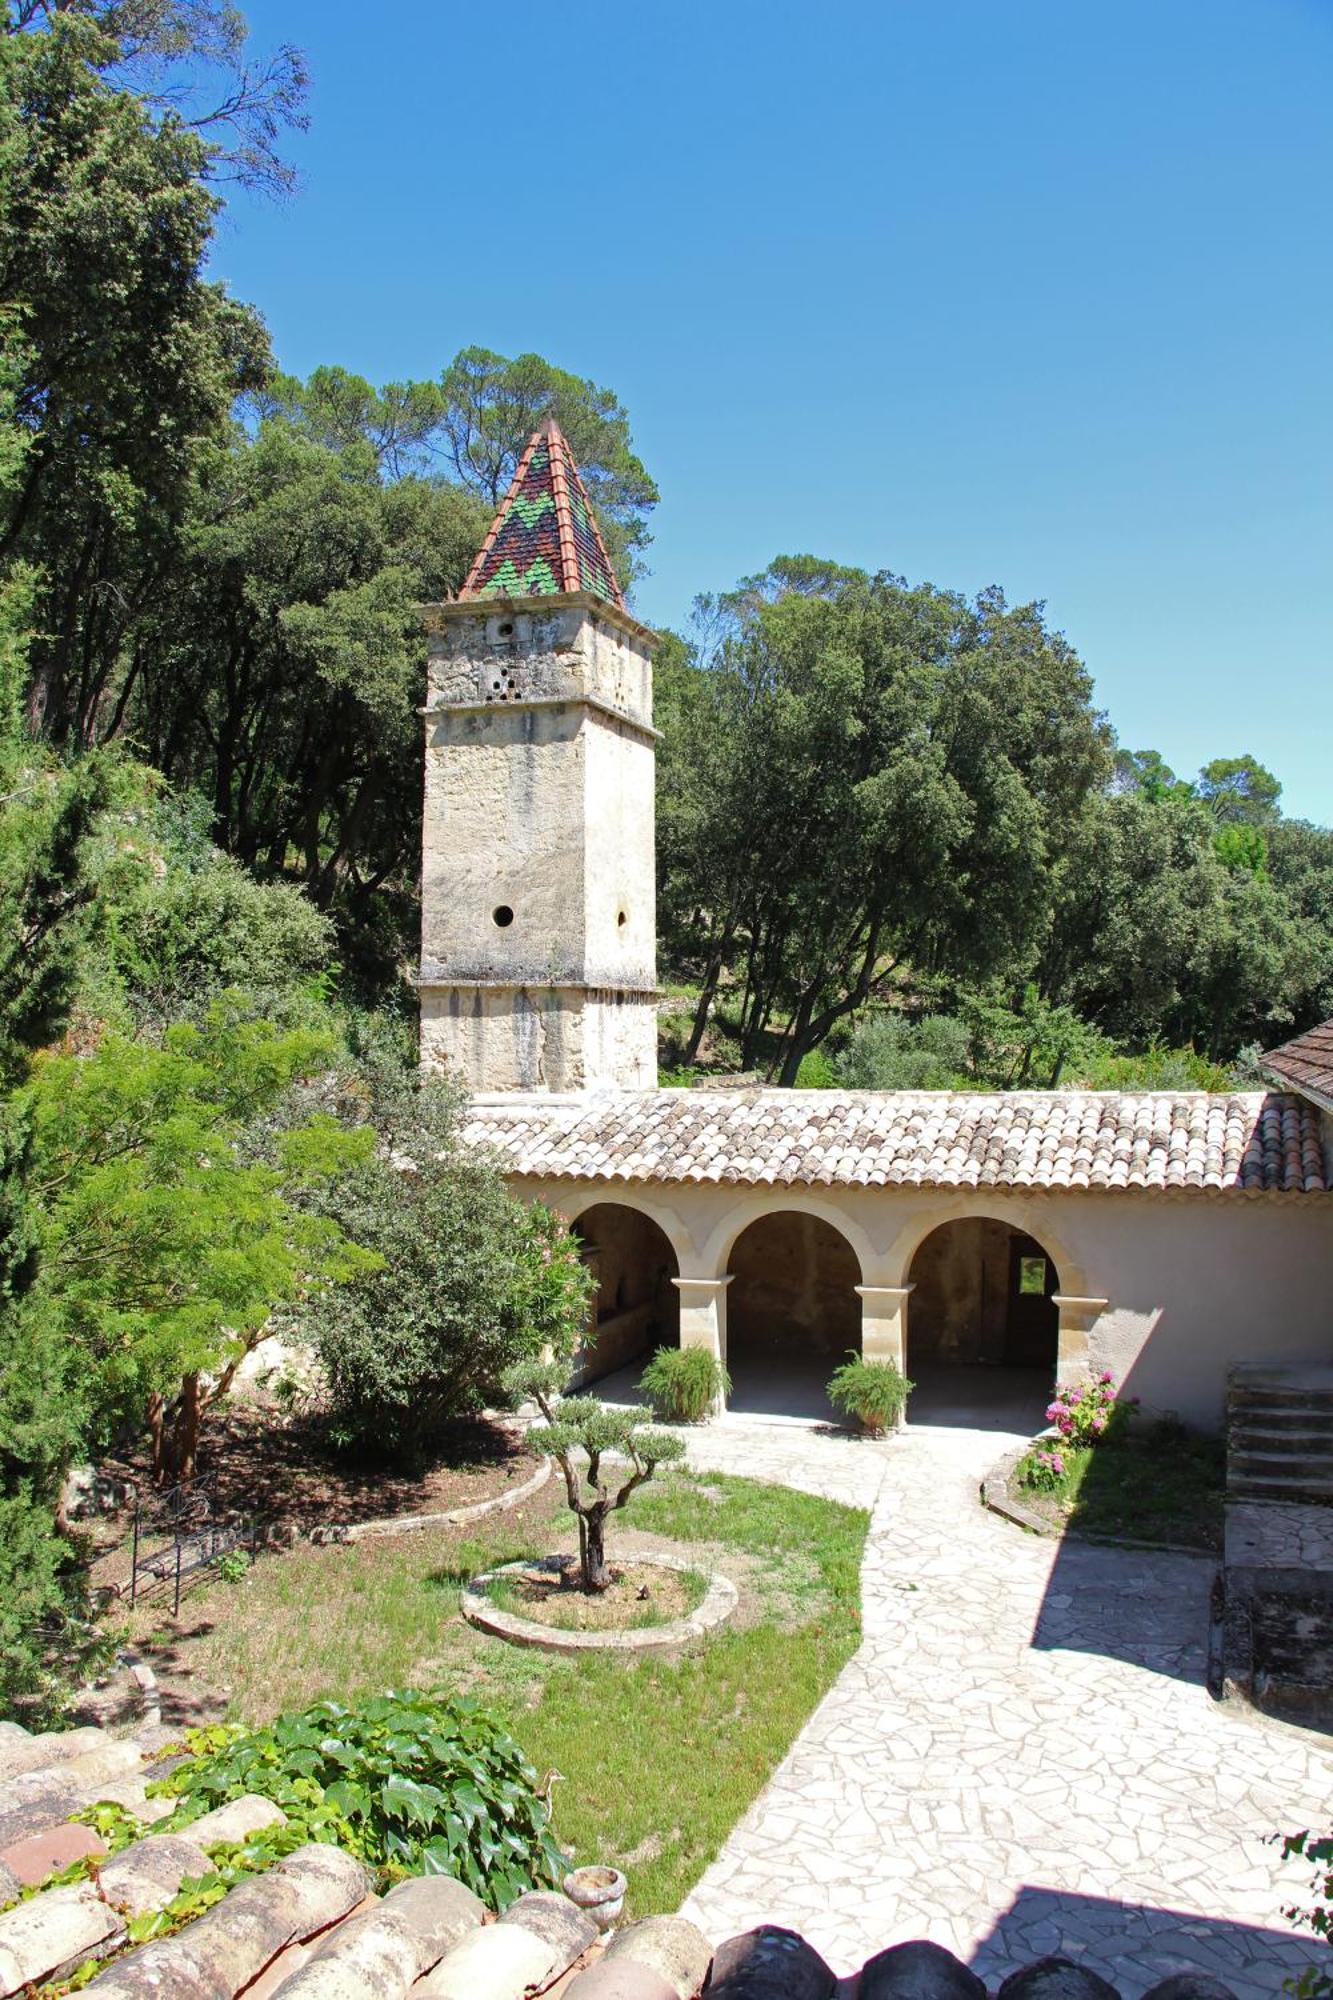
(1319,1423)
(1310,1374)
(1271,1486)
(1317,1391)
(1311,1445)
(1280,1415)
(1295,1467)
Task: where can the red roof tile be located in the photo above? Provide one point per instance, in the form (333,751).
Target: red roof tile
(1306,1063)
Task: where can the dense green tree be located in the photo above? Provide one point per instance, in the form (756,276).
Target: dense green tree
(1300,865)
(470,427)
(1239,791)
(874,777)
(129,359)
(1135,906)
(492,406)
(192,59)
(169,1232)
(285,677)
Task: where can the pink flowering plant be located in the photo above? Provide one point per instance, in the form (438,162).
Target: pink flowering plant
(1043,1469)
(1091,1414)
(1084,1417)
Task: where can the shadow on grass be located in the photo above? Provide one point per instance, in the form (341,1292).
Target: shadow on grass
(291,1471)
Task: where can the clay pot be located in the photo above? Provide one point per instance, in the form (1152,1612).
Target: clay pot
(600,1891)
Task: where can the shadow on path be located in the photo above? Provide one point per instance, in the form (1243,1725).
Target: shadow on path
(1136,1944)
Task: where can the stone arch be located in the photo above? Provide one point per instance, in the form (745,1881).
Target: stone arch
(793,1312)
(1031,1218)
(716,1251)
(574,1202)
(984,1296)
(636,1306)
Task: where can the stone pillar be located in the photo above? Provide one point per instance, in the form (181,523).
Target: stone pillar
(1077,1316)
(884,1324)
(703,1315)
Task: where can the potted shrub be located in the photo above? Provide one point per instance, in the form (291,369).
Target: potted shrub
(874,1391)
(684,1384)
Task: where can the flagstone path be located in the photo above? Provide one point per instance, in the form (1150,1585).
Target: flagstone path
(1021,1757)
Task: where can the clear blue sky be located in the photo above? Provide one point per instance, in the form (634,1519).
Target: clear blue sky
(981,291)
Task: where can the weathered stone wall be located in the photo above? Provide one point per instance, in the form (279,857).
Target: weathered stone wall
(498,653)
(961,1275)
(538,939)
(793,1289)
(502,1038)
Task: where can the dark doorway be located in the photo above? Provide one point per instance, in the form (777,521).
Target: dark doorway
(982,1326)
(792,1314)
(636,1308)
(1032,1318)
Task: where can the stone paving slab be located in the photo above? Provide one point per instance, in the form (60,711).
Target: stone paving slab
(1022,1756)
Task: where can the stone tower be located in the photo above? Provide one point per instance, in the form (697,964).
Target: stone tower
(538,921)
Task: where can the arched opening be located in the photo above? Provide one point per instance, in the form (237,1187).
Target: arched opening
(792,1313)
(636,1307)
(982,1319)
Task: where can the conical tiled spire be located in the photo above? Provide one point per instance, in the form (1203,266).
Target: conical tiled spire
(545,539)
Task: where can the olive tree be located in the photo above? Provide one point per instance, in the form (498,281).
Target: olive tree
(581,1434)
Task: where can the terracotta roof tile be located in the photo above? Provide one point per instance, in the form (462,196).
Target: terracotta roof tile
(1249,1143)
(1307,1062)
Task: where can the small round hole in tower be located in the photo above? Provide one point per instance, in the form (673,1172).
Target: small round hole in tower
(503,916)
(506,631)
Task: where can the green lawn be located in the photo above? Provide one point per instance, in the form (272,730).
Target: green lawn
(1166,1488)
(656,1759)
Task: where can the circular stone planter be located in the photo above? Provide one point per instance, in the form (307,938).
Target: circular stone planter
(454,1517)
(719,1602)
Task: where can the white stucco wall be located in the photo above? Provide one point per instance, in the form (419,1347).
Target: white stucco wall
(1194,1284)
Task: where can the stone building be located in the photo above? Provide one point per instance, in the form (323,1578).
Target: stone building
(979,1239)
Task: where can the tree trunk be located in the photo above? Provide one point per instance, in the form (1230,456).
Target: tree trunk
(175,1432)
(592,1548)
(188,1413)
(157,1431)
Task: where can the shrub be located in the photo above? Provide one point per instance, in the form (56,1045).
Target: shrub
(891,1052)
(1042,1470)
(874,1391)
(416,1784)
(1316,1982)
(579,1433)
(684,1384)
(1091,1414)
(41,1597)
(817,1071)
(470,1281)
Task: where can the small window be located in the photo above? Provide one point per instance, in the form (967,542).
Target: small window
(1032,1277)
(622,920)
(503,916)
